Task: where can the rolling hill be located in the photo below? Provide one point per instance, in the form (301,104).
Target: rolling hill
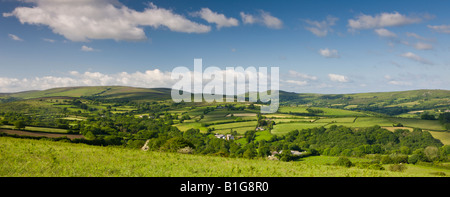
(404,103)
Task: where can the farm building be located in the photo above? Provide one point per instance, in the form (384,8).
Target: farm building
(225,137)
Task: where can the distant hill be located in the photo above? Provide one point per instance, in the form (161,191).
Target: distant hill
(107,92)
(391,103)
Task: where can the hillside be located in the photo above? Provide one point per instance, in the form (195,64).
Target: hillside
(106,92)
(315,125)
(404,103)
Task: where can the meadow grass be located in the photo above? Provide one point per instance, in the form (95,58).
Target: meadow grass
(327,111)
(284,128)
(419,123)
(41,158)
(365,122)
(338,120)
(38,129)
(443,136)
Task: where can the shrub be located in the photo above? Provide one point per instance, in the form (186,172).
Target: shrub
(186,150)
(397,167)
(343,161)
(394,159)
(174,144)
(413,159)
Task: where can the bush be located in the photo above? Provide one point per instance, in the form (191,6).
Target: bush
(394,159)
(174,144)
(431,153)
(343,161)
(397,167)
(413,159)
(186,150)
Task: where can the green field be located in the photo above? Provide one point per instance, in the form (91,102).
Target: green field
(40,158)
(281,129)
(112,116)
(38,129)
(418,123)
(366,122)
(240,127)
(327,111)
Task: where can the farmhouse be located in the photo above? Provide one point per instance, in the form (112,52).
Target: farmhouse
(225,137)
(293,152)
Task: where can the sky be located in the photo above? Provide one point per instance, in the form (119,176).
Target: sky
(319,46)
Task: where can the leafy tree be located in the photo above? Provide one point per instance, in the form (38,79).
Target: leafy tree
(20,124)
(250,135)
(249,153)
(426,116)
(176,143)
(431,153)
(286,155)
(343,161)
(413,159)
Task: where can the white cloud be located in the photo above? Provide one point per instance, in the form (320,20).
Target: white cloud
(48,40)
(247,18)
(440,28)
(264,18)
(101,19)
(380,20)
(416,58)
(14,37)
(296,82)
(213,17)
(296,74)
(321,28)
(414,35)
(423,46)
(333,53)
(338,78)
(271,21)
(87,49)
(400,83)
(148,79)
(385,33)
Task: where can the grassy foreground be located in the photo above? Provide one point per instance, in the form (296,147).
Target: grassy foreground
(37,158)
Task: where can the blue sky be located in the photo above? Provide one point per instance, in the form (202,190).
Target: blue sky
(320,46)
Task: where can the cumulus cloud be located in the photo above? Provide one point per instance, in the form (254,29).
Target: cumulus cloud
(440,28)
(321,28)
(296,82)
(219,19)
(416,58)
(385,33)
(414,35)
(14,37)
(82,20)
(338,78)
(400,83)
(48,40)
(333,53)
(148,79)
(381,20)
(87,49)
(296,74)
(423,46)
(264,18)
(247,18)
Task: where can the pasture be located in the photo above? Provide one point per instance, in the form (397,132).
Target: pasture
(40,158)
